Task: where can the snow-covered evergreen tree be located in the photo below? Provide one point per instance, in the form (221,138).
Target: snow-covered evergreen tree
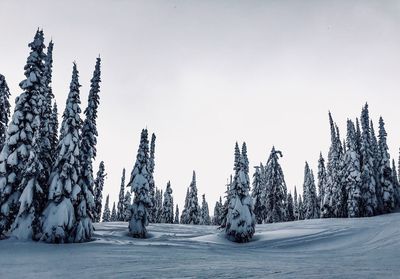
(295,205)
(396,184)
(276,191)
(98,191)
(176,219)
(139,183)
(127,206)
(114,217)
(25,122)
(217,218)
(384,171)
(4,109)
(193,210)
(121,200)
(158,206)
(84,202)
(240,220)
(377,159)
(45,152)
(153,212)
(205,218)
(259,194)
(368,188)
(290,208)
(225,205)
(107,212)
(51,110)
(352,174)
(59,215)
(300,208)
(185,207)
(168,206)
(310,206)
(321,182)
(333,173)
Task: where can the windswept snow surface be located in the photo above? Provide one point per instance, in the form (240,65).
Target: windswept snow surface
(323,248)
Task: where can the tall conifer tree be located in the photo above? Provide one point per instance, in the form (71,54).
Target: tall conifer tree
(59,215)
(98,191)
(240,220)
(385,176)
(276,191)
(121,209)
(168,205)
(21,131)
(107,212)
(139,184)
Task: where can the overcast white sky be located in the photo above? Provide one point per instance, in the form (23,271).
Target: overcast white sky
(204,74)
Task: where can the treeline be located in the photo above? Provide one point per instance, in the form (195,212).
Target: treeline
(48,191)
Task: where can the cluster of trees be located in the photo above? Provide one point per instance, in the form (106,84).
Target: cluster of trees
(46,177)
(360,179)
(48,191)
(161,209)
(192,212)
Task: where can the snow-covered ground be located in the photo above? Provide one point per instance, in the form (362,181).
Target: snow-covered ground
(327,248)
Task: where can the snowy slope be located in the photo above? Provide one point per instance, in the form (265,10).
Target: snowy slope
(327,248)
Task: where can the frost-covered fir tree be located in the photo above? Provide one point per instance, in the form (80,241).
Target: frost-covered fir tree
(275,187)
(310,206)
(114,217)
(240,220)
(139,183)
(300,208)
(321,181)
(185,207)
(53,134)
(45,136)
(158,206)
(59,215)
(85,204)
(153,211)
(396,185)
(290,208)
(217,218)
(333,173)
(176,219)
(259,194)
(193,210)
(51,110)
(127,206)
(377,159)
(295,205)
(368,179)
(352,174)
(98,191)
(4,109)
(384,171)
(107,212)
(205,218)
(168,206)
(24,123)
(225,205)
(121,208)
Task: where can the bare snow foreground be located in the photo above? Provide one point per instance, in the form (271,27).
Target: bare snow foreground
(323,248)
